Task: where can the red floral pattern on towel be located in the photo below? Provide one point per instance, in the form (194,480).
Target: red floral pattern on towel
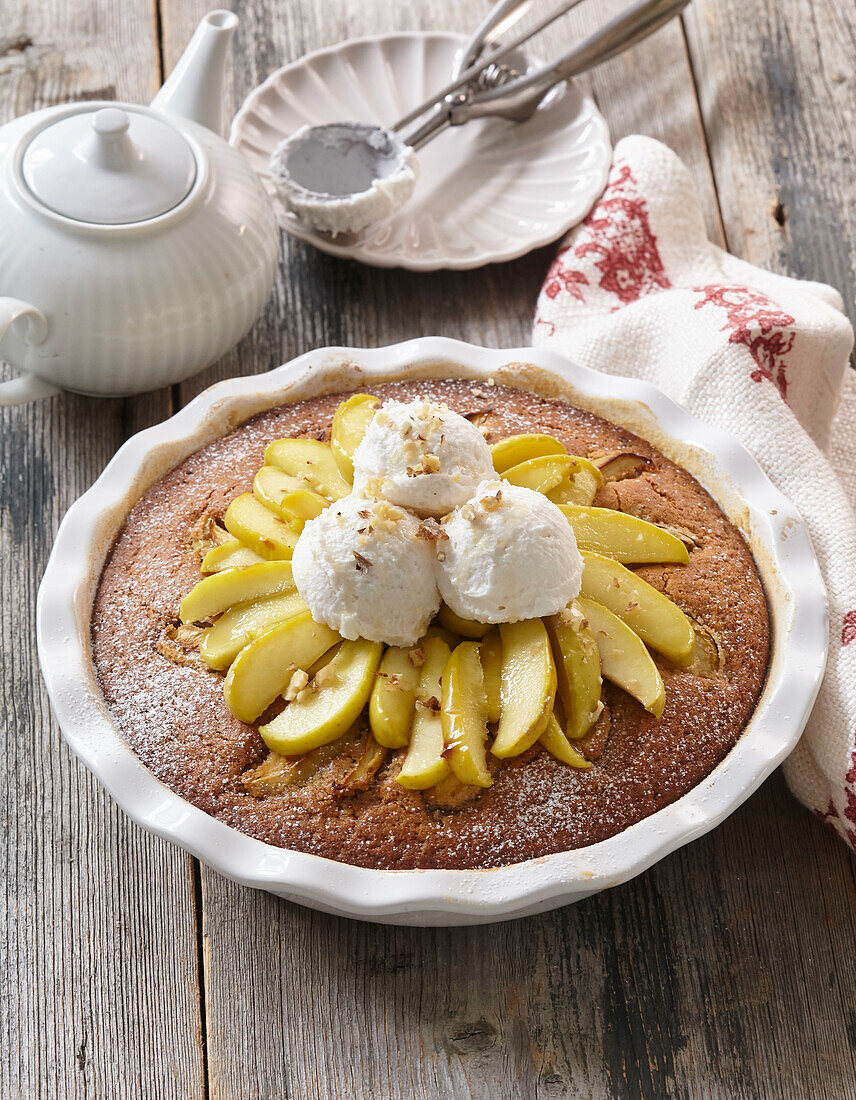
(848,628)
(618,237)
(757,323)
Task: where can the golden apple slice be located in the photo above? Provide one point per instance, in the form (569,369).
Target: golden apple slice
(464,628)
(311,461)
(658,622)
(245,622)
(425,764)
(326,709)
(520,448)
(229,555)
(528,686)
(577,669)
(393,696)
(289,497)
(555,741)
(491,659)
(264,668)
(260,529)
(579,485)
(349,426)
(214,594)
(623,657)
(543,473)
(626,538)
(462,716)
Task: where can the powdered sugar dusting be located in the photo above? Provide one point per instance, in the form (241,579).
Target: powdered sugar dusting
(175,717)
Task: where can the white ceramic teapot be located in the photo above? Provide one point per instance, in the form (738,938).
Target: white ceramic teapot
(136,245)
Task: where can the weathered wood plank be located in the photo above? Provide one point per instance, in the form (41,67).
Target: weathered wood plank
(98,937)
(777,88)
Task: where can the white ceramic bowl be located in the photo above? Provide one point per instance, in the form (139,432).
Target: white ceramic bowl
(487,191)
(782,549)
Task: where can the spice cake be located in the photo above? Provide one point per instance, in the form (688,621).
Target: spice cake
(581,673)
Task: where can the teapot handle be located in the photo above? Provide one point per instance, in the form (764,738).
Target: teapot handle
(29,387)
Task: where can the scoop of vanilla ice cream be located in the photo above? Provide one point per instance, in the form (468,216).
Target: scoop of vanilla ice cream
(422,456)
(363,569)
(510,554)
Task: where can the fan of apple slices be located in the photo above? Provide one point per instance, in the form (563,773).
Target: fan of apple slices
(468,695)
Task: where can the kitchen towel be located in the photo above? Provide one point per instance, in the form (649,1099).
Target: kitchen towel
(637,289)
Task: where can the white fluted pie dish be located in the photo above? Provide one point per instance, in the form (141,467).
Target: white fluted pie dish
(434,897)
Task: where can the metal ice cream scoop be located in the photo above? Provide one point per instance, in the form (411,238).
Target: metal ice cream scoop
(323,172)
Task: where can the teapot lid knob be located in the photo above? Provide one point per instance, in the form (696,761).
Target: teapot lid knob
(110,122)
(110,166)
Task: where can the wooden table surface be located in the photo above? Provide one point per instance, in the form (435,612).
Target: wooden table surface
(728,970)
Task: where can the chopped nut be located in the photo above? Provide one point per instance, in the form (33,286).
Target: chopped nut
(468,512)
(491,381)
(416,657)
(362,563)
(432,704)
(631,606)
(296,684)
(431,530)
(491,503)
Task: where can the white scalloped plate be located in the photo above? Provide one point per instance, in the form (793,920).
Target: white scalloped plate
(488,191)
(782,549)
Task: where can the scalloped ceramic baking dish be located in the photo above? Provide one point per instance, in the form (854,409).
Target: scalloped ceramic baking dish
(782,549)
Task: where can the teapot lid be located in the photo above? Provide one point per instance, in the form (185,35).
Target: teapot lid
(109,166)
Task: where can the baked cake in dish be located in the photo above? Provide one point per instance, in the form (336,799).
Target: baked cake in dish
(432,624)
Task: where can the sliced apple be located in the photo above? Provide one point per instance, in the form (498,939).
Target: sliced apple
(490,651)
(658,622)
(528,686)
(543,473)
(393,698)
(618,465)
(425,764)
(464,628)
(623,657)
(366,768)
(579,485)
(349,426)
(283,494)
(520,448)
(214,594)
(628,539)
(463,717)
(436,630)
(555,742)
(264,668)
(277,773)
(229,555)
(577,669)
(311,461)
(245,622)
(260,529)
(326,710)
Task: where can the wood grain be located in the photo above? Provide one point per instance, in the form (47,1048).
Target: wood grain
(777,88)
(725,971)
(97,932)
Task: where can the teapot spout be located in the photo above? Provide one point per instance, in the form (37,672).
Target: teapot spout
(194,89)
